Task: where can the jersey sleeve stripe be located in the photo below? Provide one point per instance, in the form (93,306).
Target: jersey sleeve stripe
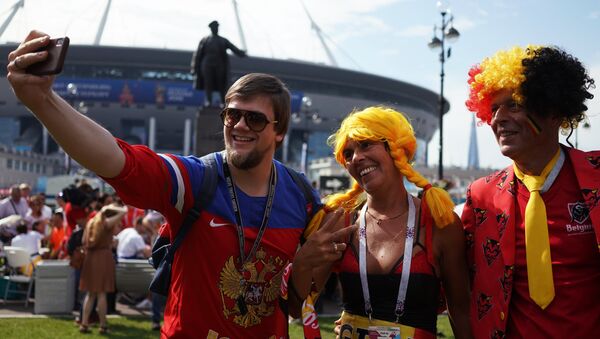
(173,179)
(176,174)
(195,172)
(186,175)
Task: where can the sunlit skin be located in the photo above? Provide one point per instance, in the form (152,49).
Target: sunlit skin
(251,153)
(246,147)
(531,151)
(15,194)
(56,221)
(36,207)
(25,192)
(371,165)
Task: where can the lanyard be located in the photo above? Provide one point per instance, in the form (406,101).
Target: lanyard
(406,261)
(554,172)
(238,213)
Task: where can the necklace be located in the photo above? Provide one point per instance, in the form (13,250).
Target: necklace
(379,221)
(406,260)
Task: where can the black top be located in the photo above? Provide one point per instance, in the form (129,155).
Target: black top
(422,296)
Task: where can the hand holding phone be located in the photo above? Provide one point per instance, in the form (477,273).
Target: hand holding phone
(57,51)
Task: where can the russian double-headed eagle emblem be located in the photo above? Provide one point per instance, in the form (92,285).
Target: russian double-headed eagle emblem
(249,294)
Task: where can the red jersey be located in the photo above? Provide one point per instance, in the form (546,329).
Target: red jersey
(205,281)
(575,310)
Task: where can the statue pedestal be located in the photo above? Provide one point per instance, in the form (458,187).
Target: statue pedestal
(209,131)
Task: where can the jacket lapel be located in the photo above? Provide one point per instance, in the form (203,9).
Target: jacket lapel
(504,200)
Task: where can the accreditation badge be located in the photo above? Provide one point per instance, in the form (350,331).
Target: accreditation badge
(359,327)
(381,332)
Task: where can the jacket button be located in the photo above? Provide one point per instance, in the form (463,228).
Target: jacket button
(502,316)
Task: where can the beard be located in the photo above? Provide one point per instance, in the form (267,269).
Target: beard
(244,161)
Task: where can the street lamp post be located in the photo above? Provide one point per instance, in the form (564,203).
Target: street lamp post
(446,31)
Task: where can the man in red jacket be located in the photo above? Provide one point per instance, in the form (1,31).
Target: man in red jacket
(533,228)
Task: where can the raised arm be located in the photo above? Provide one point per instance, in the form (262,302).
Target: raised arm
(235,50)
(315,258)
(84,140)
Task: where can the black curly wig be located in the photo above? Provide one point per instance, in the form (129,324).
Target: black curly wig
(556,84)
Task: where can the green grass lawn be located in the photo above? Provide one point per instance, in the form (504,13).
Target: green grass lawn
(63,327)
(134,327)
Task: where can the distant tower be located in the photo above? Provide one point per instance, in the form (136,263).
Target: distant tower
(473,161)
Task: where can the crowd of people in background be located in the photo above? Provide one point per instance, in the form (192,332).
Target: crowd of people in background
(525,250)
(57,230)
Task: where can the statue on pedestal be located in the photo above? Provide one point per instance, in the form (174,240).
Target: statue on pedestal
(210,64)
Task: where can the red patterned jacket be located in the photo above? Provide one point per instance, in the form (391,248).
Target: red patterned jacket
(489,222)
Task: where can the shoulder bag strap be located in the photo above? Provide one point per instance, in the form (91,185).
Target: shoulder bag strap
(306,190)
(207,191)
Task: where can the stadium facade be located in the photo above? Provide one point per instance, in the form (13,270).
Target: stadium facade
(145,96)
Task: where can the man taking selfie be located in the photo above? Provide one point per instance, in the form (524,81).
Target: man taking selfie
(226,274)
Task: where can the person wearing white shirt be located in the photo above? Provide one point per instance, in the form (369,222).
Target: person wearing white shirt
(46,210)
(131,243)
(36,215)
(25,190)
(14,204)
(29,240)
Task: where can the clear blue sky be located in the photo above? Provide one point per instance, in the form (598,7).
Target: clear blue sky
(386,37)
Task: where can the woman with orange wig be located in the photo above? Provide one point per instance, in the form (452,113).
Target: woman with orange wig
(401,251)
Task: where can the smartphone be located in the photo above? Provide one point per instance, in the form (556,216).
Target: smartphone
(57,51)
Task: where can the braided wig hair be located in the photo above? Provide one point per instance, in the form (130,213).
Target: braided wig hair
(546,81)
(392,128)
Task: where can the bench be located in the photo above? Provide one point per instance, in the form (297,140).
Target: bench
(133,275)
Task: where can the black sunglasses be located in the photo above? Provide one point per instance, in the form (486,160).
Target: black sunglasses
(256,121)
